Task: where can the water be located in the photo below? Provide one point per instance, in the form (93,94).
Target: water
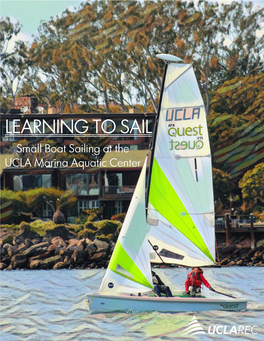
(50,305)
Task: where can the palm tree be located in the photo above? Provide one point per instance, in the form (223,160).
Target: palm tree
(66,199)
(58,216)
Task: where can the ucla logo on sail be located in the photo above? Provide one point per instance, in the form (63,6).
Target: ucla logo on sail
(180,114)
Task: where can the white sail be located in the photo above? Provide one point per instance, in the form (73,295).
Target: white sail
(129,269)
(181,205)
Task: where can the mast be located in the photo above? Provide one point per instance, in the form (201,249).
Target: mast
(167,58)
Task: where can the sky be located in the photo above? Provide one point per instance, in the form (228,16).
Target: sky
(30,13)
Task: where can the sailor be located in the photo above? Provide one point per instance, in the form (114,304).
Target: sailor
(159,286)
(194,281)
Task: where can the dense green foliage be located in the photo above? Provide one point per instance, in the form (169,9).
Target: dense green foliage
(91,214)
(223,186)
(252,186)
(236,124)
(105,230)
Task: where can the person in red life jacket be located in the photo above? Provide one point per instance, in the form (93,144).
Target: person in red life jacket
(194,281)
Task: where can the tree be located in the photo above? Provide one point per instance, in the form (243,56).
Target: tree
(252,186)
(216,60)
(236,124)
(130,34)
(60,85)
(223,186)
(13,63)
(101,76)
(127,35)
(106,51)
(55,198)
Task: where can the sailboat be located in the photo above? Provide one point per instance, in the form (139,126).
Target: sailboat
(174,222)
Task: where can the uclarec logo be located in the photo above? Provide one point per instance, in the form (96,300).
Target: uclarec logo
(193,328)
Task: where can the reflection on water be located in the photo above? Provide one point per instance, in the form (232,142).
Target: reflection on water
(50,305)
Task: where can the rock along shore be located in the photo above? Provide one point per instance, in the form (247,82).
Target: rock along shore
(58,249)
(238,252)
(62,249)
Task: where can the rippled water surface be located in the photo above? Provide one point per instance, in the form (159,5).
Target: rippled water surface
(51,305)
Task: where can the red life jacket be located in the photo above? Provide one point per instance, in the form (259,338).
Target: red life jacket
(196,280)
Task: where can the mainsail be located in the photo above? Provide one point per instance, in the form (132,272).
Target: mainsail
(129,268)
(180,201)
(180,209)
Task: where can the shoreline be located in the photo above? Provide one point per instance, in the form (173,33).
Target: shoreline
(60,248)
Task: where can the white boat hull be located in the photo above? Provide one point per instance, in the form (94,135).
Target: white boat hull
(99,303)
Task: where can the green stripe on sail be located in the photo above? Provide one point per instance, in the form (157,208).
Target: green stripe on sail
(121,258)
(172,209)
